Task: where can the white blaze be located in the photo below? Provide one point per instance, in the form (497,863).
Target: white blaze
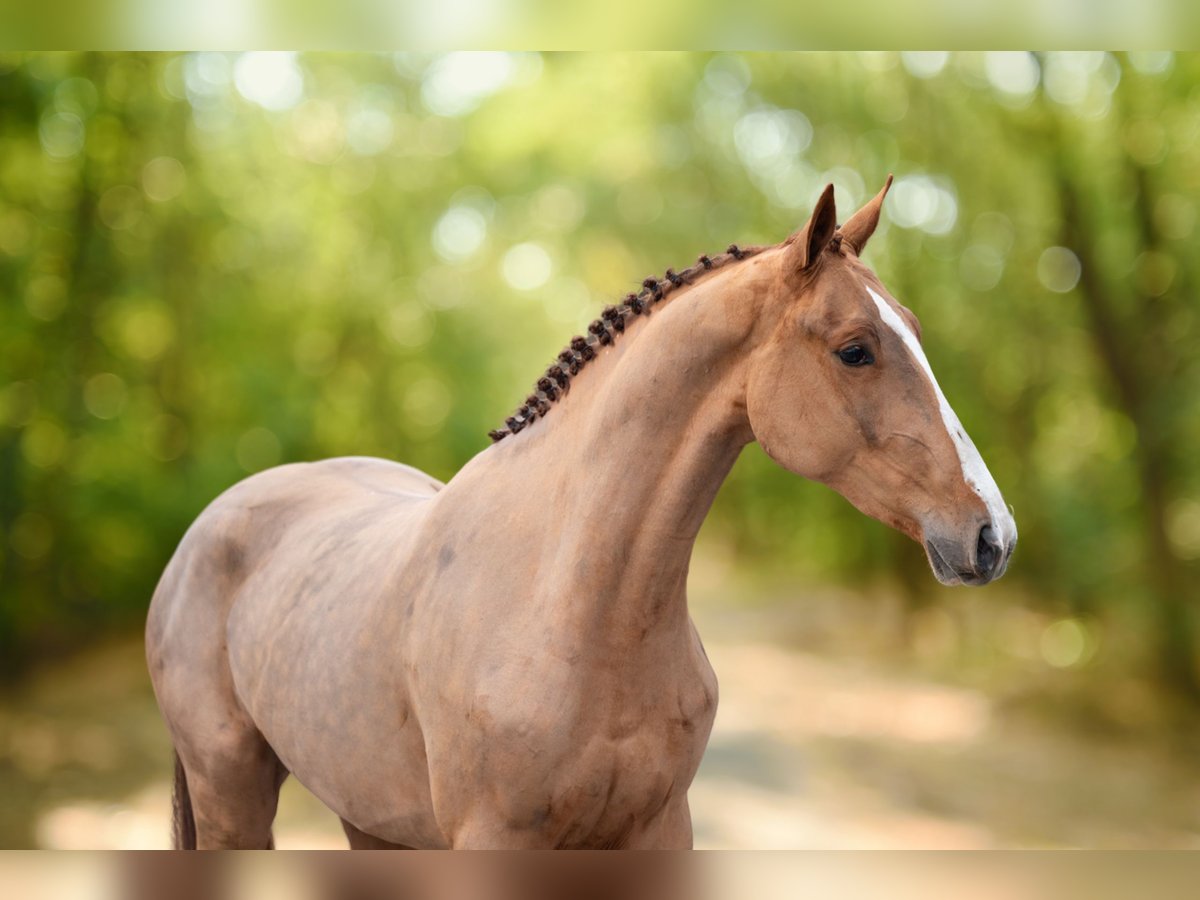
(975,472)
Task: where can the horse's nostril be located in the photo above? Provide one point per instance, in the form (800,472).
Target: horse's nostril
(987,551)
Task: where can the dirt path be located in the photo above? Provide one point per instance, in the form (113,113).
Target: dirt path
(807,752)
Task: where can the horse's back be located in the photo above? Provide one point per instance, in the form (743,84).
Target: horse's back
(228,539)
(370,473)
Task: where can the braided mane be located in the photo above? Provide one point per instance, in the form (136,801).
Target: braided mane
(556,380)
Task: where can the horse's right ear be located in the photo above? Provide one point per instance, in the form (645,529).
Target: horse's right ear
(806,245)
(860,226)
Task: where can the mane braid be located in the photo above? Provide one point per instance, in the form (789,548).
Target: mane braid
(556,380)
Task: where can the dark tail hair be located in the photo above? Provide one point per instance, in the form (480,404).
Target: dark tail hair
(184,821)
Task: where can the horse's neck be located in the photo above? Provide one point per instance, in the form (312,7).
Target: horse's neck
(636,454)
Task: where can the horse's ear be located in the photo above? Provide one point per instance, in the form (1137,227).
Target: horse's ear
(807,243)
(860,226)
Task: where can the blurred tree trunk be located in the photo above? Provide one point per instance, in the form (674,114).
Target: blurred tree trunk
(1130,367)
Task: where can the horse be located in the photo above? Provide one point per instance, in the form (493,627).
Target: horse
(506,660)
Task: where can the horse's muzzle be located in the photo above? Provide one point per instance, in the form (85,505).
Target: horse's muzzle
(975,562)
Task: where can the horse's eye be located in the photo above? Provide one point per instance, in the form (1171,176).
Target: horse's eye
(856,355)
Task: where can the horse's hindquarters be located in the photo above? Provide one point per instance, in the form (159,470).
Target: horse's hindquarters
(267,643)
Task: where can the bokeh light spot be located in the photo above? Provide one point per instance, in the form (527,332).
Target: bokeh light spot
(1183,527)
(104,395)
(272,79)
(924,64)
(1058,269)
(369,130)
(981,266)
(1013,73)
(163,178)
(727,75)
(1063,643)
(459,233)
(43,443)
(458,82)
(1084,80)
(527,266)
(919,201)
(145,332)
(1154,272)
(205,75)
(764,136)
(318,132)
(77,96)
(45,297)
(1151,62)
(62,134)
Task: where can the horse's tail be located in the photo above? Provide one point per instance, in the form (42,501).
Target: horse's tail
(183,819)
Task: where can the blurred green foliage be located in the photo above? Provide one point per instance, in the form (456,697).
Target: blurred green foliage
(210,264)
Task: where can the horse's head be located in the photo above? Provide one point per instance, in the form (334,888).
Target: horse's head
(840,392)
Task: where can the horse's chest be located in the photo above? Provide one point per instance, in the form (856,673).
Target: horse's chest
(628,764)
(638,776)
(567,751)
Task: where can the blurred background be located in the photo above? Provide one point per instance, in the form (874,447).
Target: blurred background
(214,263)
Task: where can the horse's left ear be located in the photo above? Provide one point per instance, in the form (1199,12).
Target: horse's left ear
(805,245)
(860,226)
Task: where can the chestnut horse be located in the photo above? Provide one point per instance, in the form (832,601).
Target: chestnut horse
(507,660)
